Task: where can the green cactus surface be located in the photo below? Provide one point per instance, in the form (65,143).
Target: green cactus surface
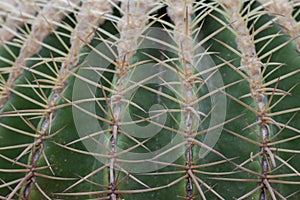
(149,99)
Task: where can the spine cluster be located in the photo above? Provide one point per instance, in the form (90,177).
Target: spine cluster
(283,11)
(90,16)
(181,14)
(252,66)
(44,24)
(18,13)
(5,7)
(130,26)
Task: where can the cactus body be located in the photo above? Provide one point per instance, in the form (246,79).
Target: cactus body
(171,99)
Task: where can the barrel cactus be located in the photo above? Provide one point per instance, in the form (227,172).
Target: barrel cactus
(149,99)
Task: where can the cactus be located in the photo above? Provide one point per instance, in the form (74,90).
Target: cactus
(170,99)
